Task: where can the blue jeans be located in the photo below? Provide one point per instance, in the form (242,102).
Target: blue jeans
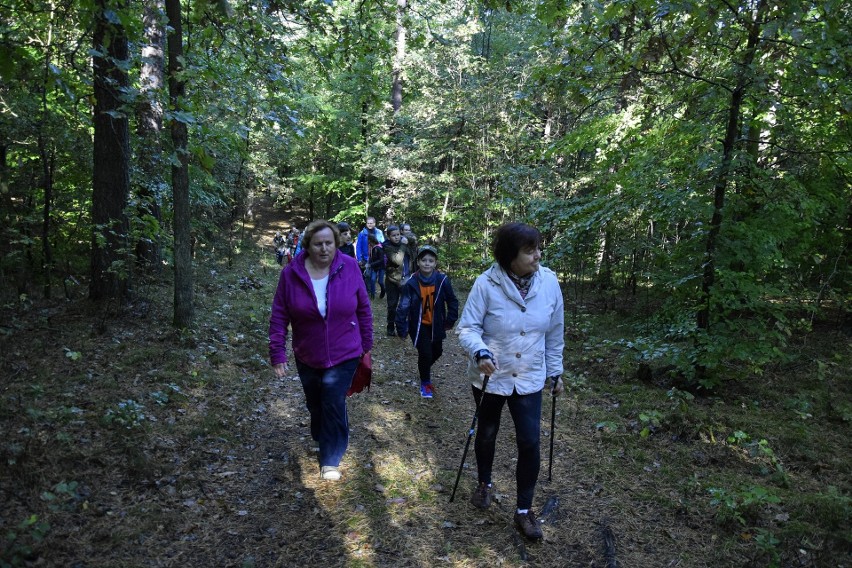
(325,397)
(376,275)
(526,414)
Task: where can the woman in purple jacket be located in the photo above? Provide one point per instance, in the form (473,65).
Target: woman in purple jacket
(322,297)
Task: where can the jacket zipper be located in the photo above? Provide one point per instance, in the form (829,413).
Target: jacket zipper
(328,313)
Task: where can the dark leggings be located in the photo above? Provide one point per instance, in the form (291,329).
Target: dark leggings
(526,414)
(392,289)
(428,352)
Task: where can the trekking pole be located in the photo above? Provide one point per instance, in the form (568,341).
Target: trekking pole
(469,436)
(552,429)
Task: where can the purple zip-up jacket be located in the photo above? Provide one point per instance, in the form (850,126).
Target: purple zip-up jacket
(345,333)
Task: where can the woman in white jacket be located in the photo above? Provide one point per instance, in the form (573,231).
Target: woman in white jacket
(512,327)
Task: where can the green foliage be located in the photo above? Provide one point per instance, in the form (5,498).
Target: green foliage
(830,505)
(768,544)
(20,544)
(162,397)
(73,355)
(651,420)
(741,505)
(62,496)
(127,414)
(763,453)
(597,122)
(607,426)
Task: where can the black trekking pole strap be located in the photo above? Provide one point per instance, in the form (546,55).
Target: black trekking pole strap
(469,436)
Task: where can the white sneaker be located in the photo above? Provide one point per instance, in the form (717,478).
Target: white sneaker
(330,472)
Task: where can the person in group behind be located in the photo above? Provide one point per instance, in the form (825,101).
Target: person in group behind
(513,328)
(427,309)
(279,243)
(375,268)
(362,245)
(294,244)
(410,241)
(397,271)
(348,247)
(363,248)
(322,298)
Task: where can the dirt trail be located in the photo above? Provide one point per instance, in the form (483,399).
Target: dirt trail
(225,474)
(393,430)
(374,519)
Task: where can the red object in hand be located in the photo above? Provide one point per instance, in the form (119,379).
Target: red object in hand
(363,375)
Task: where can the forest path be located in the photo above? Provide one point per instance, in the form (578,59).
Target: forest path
(392,507)
(207,459)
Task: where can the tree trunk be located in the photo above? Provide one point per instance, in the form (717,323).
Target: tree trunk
(604,259)
(183,308)
(396,83)
(111,152)
(444,214)
(721,183)
(149,128)
(396,90)
(48,159)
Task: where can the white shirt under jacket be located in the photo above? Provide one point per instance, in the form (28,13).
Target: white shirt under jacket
(526,336)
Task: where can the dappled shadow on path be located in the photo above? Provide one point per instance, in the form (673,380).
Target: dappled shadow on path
(221,470)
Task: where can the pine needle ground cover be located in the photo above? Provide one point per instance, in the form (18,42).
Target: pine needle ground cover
(126,443)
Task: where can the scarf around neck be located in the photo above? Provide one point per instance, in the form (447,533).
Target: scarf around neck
(522,283)
(427,280)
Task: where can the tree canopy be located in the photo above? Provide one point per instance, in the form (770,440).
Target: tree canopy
(691,158)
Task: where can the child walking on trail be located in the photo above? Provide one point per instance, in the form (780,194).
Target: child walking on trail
(280,245)
(397,271)
(427,309)
(376,268)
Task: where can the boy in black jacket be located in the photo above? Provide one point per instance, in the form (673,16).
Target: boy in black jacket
(397,271)
(427,308)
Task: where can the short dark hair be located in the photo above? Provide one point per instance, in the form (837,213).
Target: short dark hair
(318,225)
(391,228)
(512,238)
(343,226)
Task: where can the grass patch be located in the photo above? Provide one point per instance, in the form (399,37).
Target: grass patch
(765,459)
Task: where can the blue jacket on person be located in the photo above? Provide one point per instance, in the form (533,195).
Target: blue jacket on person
(409,312)
(362,245)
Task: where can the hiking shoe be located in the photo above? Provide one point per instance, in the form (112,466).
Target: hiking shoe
(391,332)
(329,472)
(528,525)
(482,496)
(426,390)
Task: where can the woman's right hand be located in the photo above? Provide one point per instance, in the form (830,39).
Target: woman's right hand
(487,366)
(280,370)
